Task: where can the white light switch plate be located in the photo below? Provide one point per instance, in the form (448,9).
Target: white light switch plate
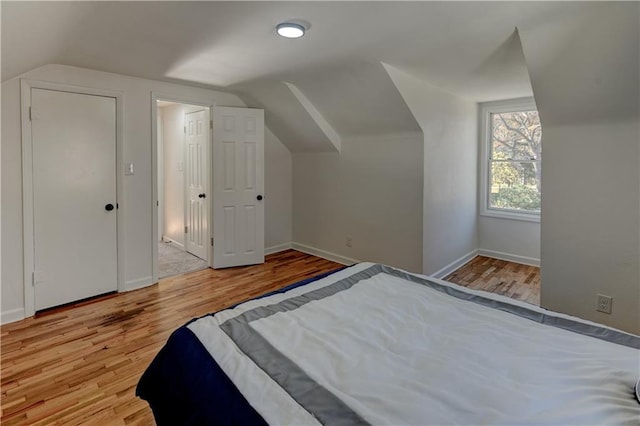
(128,169)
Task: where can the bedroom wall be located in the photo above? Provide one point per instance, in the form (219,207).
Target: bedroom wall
(137,188)
(588,93)
(449,124)
(509,239)
(278,190)
(370,192)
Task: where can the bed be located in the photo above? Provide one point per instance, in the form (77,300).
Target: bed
(372,344)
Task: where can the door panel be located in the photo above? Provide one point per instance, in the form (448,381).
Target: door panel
(250,222)
(74,179)
(197,141)
(238,205)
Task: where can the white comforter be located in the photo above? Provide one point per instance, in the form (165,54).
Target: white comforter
(396,353)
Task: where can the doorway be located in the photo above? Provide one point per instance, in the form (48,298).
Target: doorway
(183,147)
(233,190)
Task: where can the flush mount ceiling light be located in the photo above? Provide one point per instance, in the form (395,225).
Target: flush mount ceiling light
(290,30)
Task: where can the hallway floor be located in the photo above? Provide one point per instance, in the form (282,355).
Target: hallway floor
(172,260)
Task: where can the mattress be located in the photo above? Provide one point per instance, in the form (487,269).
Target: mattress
(371,344)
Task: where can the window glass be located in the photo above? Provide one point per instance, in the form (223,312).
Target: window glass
(515,168)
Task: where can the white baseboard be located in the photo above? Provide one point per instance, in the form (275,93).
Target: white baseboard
(324,254)
(12,315)
(277,248)
(139,283)
(172,241)
(509,257)
(456,264)
(17,314)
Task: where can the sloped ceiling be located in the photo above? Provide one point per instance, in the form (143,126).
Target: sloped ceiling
(356,99)
(286,117)
(584,79)
(467,48)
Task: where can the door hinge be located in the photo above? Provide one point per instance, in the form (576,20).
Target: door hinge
(212,242)
(186,229)
(157,203)
(185,130)
(33,279)
(30,114)
(211,124)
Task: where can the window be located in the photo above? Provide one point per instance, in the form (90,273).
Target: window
(511,152)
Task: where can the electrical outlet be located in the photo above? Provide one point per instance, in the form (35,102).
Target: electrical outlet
(348,241)
(603,303)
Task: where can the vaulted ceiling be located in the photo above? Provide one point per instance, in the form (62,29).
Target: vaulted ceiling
(317,90)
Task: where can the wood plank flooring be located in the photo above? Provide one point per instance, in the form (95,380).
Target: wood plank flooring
(80,365)
(520,282)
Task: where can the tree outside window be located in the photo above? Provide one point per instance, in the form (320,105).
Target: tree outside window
(515,154)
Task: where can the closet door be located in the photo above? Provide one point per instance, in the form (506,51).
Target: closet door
(74,196)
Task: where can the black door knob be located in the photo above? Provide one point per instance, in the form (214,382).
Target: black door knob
(202,195)
(259,197)
(108,207)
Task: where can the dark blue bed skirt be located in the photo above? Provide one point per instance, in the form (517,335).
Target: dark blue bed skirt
(185,386)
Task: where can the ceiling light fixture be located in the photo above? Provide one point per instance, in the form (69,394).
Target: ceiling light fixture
(290,30)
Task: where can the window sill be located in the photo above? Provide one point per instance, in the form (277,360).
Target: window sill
(511,215)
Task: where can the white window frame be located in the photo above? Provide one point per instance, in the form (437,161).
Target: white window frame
(486,109)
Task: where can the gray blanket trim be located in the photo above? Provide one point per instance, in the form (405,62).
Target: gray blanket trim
(320,402)
(602,333)
(313,397)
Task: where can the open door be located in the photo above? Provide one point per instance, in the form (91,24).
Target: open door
(196,179)
(238,186)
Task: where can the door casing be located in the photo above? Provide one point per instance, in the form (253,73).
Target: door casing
(27,180)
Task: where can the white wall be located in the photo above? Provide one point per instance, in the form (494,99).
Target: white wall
(371,191)
(278,193)
(137,197)
(590,239)
(508,239)
(449,124)
(588,95)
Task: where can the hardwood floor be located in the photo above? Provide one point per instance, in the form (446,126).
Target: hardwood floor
(520,282)
(80,365)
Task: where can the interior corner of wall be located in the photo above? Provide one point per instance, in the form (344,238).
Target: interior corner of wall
(405,85)
(319,119)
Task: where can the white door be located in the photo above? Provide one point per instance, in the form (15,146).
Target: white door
(238,182)
(74,196)
(197,177)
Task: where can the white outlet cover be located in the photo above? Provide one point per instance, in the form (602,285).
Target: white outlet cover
(603,303)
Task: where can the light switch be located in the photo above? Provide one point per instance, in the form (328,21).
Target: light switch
(128,169)
(180,166)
